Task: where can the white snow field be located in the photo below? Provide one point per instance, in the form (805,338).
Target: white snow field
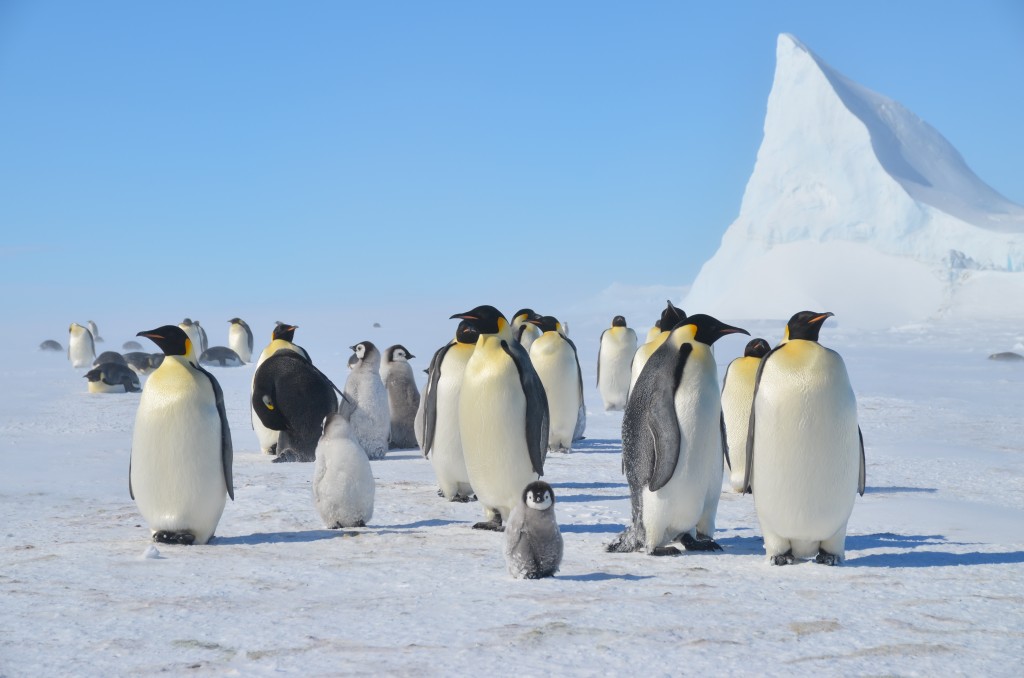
(933,583)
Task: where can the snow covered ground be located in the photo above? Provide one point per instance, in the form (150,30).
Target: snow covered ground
(933,584)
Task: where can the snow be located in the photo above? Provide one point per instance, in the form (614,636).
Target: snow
(933,584)
(842,164)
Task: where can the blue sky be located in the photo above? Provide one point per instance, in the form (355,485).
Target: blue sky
(230,156)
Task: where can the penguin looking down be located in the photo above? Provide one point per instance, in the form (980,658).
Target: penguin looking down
(343,484)
(280,338)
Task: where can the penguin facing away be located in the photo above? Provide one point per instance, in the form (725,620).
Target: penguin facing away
(554,357)
(805,452)
(112,378)
(533,542)
(180,468)
(81,349)
(343,484)
(282,337)
(503,416)
(403,396)
(371,422)
(737,396)
(672,448)
(617,346)
(240,339)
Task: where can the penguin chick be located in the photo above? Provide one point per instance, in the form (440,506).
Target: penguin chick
(371,422)
(533,542)
(343,485)
(403,396)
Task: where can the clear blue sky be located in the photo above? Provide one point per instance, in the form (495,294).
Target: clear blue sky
(240,155)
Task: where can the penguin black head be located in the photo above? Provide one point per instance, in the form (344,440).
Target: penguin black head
(171,339)
(365,349)
(528,312)
(465,333)
(539,496)
(546,323)
(756,348)
(236,320)
(671,316)
(618,321)
(284,331)
(485,319)
(397,352)
(806,325)
(710,330)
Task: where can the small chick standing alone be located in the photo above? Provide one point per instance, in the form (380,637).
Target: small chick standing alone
(343,485)
(533,542)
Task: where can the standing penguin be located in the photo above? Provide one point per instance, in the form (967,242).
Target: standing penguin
(371,422)
(670,317)
(617,346)
(442,440)
(94,331)
(240,339)
(672,443)
(81,349)
(737,396)
(554,357)
(180,468)
(343,485)
(403,395)
(280,338)
(533,542)
(805,452)
(503,416)
(194,333)
(523,330)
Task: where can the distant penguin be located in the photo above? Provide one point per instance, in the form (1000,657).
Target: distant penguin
(143,363)
(192,330)
(670,317)
(81,349)
(50,345)
(343,484)
(737,395)
(442,440)
(503,416)
(533,542)
(94,331)
(1008,356)
(109,357)
(220,356)
(291,396)
(554,357)
(112,378)
(280,338)
(805,452)
(523,330)
(617,345)
(240,339)
(202,337)
(371,422)
(654,331)
(672,443)
(180,470)
(403,395)
(131,345)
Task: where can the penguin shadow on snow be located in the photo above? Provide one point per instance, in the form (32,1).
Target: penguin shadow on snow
(283,537)
(604,576)
(896,489)
(920,558)
(405,528)
(568,499)
(590,486)
(584,528)
(598,446)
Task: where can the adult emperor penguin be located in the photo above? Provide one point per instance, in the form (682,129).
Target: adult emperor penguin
(403,395)
(523,330)
(112,378)
(672,448)
(503,416)
(670,318)
(617,346)
(442,440)
(554,357)
(81,348)
(94,331)
(281,338)
(180,468)
(343,485)
(805,452)
(191,328)
(371,422)
(533,542)
(737,396)
(109,357)
(240,339)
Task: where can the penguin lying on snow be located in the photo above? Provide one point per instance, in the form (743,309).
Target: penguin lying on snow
(220,356)
(112,378)
(50,345)
(143,363)
(109,357)
(533,542)
(343,485)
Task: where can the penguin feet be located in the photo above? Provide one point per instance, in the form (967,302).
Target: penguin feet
(826,558)
(665,551)
(272,449)
(463,499)
(626,542)
(291,455)
(783,558)
(702,543)
(165,537)
(492,525)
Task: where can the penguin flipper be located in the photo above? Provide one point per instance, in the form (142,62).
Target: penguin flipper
(597,382)
(662,421)
(537,416)
(226,450)
(748,474)
(862,476)
(131,492)
(430,398)
(725,442)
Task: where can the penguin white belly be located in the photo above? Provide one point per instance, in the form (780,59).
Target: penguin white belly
(177,472)
(371,421)
(81,352)
(642,355)
(555,363)
(343,488)
(737,397)
(615,355)
(689,501)
(530,334)
(492,412)
(238,341)
(806,452)
(446,456)
(103,387)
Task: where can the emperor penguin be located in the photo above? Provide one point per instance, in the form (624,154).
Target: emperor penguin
(442,439)
(371,422)
(221,356)
(617,345)
(503,416)
(343,484)
(143,363)
(805,451)
(94,331)
(109,357)
(81,349)
(670,317)
(737,396)
(240,339)
(533,542)
(112,378)
(51,345)
(281,338)
(554,357)
(180,469)
(191,328)
(523,330)
(403,395)
(672,447)
(654,331)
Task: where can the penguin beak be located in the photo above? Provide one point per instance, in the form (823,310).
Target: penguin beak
(821,318)
(149,335)
(464,316)
(352,348)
